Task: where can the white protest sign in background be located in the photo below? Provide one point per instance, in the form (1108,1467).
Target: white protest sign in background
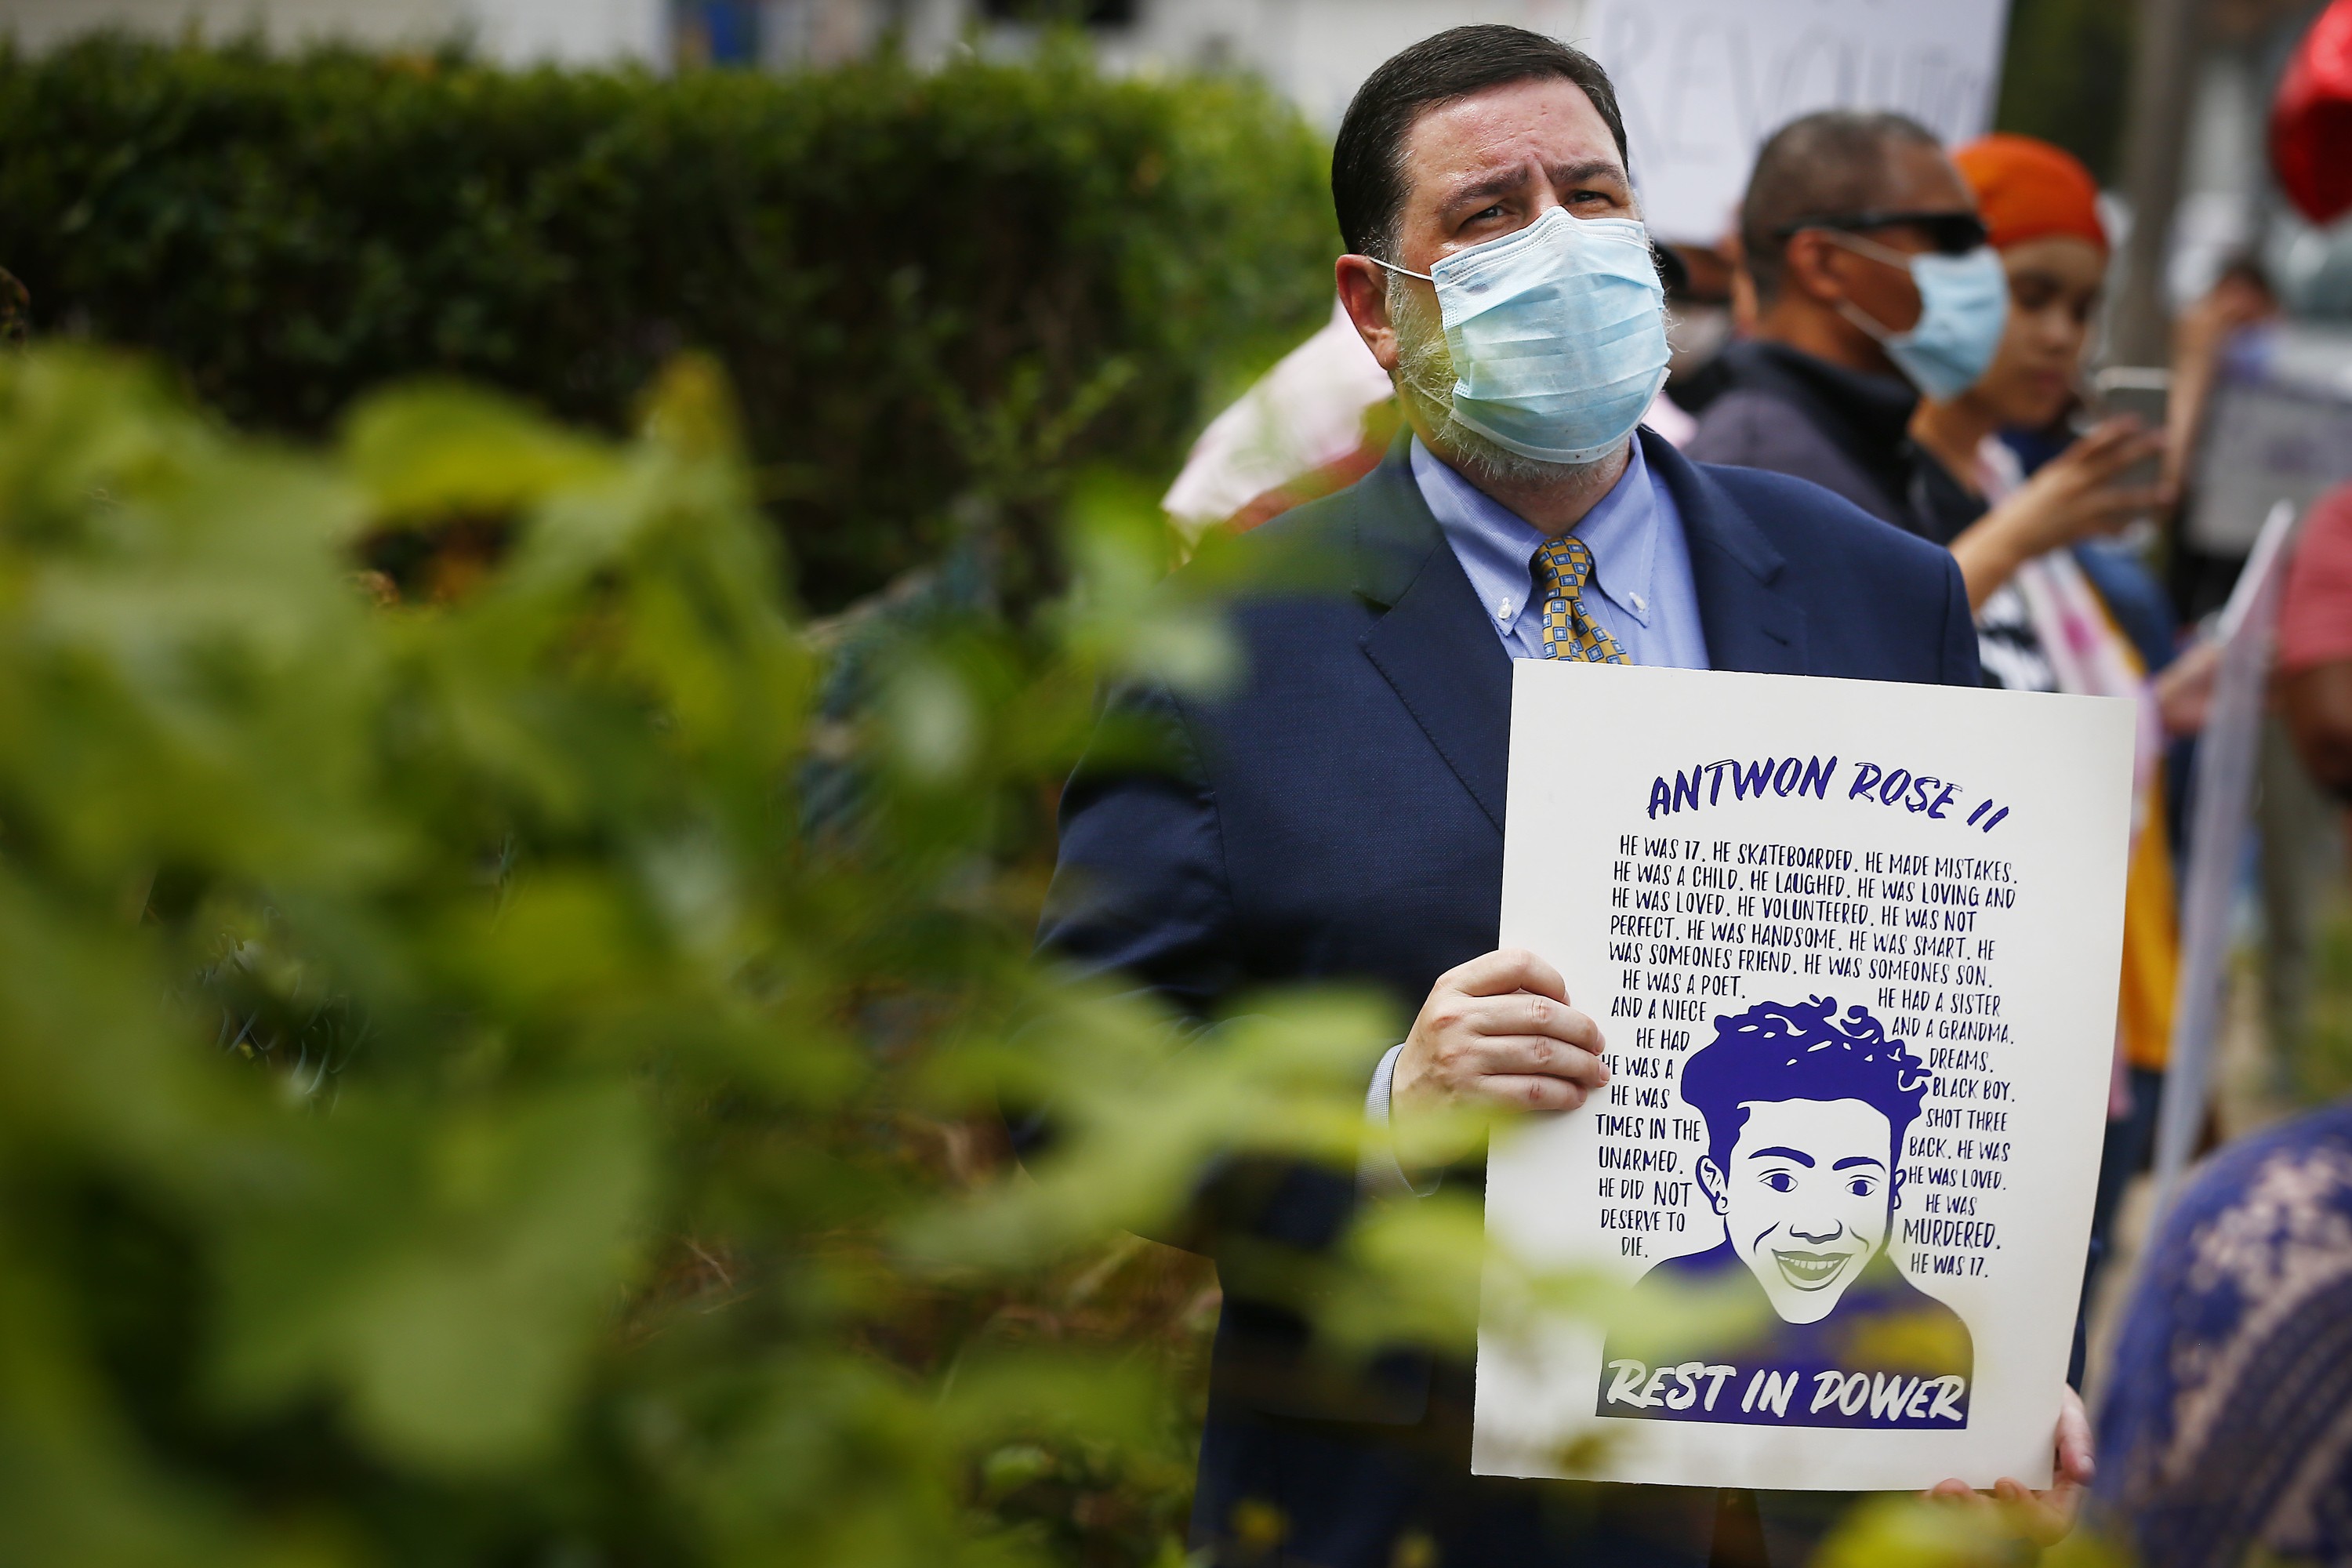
(2223,798)
(1703,83)
(1854,946)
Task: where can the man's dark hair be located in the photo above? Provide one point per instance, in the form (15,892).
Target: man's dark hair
(1799,1050)
(1368,160)
(1837,161)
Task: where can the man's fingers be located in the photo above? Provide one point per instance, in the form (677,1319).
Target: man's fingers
(1504,970)
(2076,1465)
(1526,1092)
(1512,1056)
(1523,1014)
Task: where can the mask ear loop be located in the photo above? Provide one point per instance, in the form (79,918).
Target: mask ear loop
(1885,256)
(1402,271)
(1863,318)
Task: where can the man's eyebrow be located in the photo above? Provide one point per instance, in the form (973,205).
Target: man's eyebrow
(1858,1160)
(1503,184)
(1798,1155)
(1589,169)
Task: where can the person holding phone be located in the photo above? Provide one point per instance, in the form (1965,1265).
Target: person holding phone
(2042,622)
(2040,209)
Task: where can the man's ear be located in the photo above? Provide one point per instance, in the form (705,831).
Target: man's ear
(1814,266)
(1364,294)
(1711,1181)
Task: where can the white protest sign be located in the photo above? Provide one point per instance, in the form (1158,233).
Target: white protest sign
(1854,946)
(2224,797)
(1703,83)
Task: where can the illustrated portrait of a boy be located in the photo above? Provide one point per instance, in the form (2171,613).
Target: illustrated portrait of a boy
(1805,1110)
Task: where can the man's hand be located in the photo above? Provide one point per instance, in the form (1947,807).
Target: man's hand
(1498,1031)
(2043,1518)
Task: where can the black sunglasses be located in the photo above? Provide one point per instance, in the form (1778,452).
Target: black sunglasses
(1952,232)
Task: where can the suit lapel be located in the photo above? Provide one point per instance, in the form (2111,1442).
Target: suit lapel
(1436,650)
(1750,620)
(1434,646)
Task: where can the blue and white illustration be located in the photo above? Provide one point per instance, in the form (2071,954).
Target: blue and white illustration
(1805,1110)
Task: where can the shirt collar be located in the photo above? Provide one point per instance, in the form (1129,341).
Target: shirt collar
(1497,547)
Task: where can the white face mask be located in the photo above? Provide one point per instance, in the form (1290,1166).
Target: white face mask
(1557,335)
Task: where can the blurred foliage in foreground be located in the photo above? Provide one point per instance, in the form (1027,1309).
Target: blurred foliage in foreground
(456,1106)
(926,287)
(510,1078)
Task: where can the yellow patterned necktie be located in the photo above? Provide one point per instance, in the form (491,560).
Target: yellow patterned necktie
(1562,568)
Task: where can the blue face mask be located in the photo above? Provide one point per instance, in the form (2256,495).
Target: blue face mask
(1963,310)
(1557,335)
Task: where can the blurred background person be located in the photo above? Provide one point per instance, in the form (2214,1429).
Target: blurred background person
(2314,647)
(1840,211)
(2225,1436)
(2044,623)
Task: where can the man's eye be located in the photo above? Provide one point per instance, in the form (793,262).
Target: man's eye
(1780,1182)
(1861,1187)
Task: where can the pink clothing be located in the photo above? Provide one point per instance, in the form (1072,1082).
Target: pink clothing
(2315,623)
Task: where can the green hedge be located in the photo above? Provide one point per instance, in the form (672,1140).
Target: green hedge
(938,294)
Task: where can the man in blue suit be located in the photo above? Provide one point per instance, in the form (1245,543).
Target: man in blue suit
(1339,816)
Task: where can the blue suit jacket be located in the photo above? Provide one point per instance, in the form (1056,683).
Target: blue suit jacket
(1339,816)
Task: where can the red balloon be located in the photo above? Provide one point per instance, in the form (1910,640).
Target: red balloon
(2311,123)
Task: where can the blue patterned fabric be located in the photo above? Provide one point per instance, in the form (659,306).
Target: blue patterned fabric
(2226,1437)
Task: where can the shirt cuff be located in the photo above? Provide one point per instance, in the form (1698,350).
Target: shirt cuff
(1378,1173)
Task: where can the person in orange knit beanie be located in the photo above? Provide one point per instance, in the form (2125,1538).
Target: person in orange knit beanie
(2042,624)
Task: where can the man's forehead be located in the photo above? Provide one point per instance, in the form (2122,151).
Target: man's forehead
(1542,122)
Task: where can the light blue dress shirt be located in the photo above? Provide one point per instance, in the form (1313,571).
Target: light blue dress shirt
(1641,564)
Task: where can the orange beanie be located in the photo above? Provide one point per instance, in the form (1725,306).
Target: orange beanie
(2031,190)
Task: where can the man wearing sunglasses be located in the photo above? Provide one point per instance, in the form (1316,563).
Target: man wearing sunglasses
(1873,286)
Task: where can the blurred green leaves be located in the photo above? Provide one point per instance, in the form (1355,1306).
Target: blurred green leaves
(449,1284)
(459,1093)
(512,1074)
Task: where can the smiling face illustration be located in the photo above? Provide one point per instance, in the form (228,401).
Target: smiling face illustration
(1806,1108)
(1806,1195)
